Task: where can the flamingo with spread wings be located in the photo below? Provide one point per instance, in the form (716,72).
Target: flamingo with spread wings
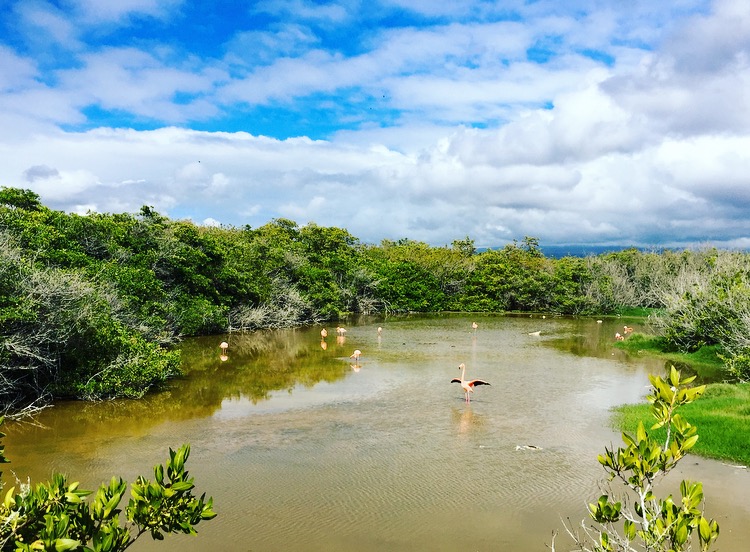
(468,386)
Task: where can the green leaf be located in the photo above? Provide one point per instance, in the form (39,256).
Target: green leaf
(641,434)
(111,505)
(674,376)
(66,544)
(681,534)
(9,497)
(629,529)
(182,486)
(689,443)
(73,498)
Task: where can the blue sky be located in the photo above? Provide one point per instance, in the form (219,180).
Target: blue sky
(581,122)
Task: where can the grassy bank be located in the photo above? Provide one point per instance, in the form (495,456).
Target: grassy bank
(722,416)
(705,362)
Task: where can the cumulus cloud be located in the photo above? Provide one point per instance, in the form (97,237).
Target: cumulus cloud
(611,125)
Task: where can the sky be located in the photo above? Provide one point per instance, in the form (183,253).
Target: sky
(598,122)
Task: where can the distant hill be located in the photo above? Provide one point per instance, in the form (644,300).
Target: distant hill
(559,251)
(572,250)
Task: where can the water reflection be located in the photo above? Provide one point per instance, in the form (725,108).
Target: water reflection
(260,364)
(466,420)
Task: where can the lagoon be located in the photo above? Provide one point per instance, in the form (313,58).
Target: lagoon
(303,450)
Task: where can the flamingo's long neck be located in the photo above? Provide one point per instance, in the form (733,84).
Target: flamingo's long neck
(463,374)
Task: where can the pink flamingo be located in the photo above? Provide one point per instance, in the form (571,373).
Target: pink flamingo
(468,386)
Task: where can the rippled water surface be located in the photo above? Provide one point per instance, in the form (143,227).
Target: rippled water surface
(304,451)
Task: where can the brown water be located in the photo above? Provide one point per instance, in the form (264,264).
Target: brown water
(304,451)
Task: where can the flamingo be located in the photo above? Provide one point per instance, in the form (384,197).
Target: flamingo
(627,329)
(224,346)
(355,355)
(341,331)
(474,326)
(323,333)
(468,386)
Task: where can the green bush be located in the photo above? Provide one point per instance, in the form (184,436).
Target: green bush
(56,516)
(638,519)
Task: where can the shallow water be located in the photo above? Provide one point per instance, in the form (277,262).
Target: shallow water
(303,450)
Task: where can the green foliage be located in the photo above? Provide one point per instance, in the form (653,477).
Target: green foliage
(738,366)
(20,199)
(414,277)
(646,522)
(519,278)
(56,515)
(67,336)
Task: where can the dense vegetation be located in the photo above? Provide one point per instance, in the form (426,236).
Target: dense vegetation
(90,304)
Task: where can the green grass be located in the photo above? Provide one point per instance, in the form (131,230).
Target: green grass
(722,416)
(636,312)
(705,362)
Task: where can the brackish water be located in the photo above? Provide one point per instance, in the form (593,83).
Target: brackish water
(303,450)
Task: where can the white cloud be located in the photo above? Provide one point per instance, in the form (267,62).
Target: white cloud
(652,148)
(211,222)
(103,11)
(42,23)
(136,81)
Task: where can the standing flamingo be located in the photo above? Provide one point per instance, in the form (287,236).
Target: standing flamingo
(223,346)
(468,386)
(355,355)
(323,333)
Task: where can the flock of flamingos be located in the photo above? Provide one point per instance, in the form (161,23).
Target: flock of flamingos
(466,385)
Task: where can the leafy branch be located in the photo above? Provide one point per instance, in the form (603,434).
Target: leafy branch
(55,516)
(641,521)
